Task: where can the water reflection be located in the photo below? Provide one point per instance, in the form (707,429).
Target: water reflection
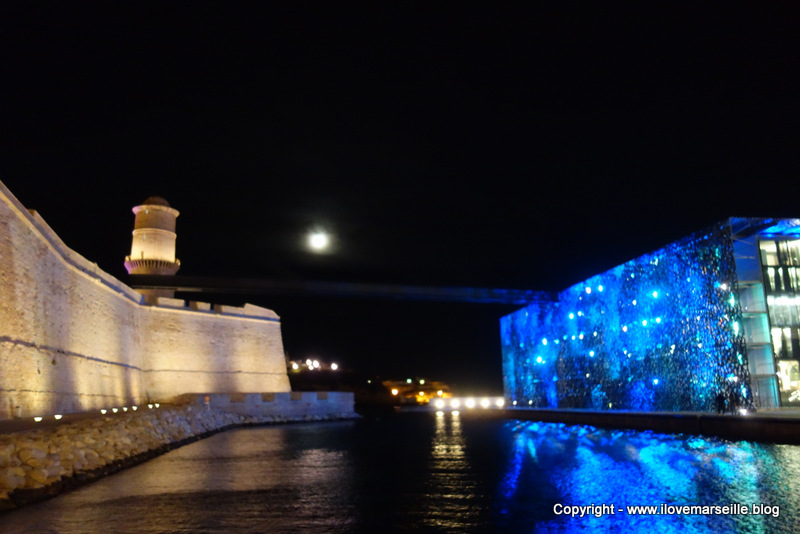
(578,465)
(444,473)
(279,479)
(448,486)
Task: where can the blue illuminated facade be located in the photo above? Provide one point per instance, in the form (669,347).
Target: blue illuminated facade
(669,331)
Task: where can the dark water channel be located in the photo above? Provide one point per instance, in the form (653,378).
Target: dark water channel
(434,473)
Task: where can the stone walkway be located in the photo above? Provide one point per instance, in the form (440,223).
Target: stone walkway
(21,425)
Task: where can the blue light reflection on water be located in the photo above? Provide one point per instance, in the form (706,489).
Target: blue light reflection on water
(582,465)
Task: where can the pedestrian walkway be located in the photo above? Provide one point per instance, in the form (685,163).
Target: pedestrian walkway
(50,421)
(780,412)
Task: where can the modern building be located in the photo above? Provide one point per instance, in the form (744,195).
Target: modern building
(714,315)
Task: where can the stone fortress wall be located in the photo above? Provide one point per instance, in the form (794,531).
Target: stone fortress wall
(73,338)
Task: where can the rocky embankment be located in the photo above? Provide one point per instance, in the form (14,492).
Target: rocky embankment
(39,463)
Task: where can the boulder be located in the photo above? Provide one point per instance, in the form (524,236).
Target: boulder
(11,478)
(36,478)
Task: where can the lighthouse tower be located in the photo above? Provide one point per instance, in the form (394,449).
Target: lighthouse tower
(153,248)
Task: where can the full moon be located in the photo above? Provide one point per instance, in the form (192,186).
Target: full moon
(318,241)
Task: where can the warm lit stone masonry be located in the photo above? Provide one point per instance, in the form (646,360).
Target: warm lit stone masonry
(38,459)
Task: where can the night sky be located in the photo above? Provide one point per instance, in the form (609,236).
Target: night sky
(507,145)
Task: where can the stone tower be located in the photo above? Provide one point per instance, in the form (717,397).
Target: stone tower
(153,248)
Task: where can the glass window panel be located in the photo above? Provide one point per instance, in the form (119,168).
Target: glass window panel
(789,375)
(752,298)
(788,253)
(793,278)
(769,253)
(756,329)
(783,310)
(766,391)
(761,361)
(777,341)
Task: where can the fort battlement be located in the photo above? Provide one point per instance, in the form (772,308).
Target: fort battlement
(73,338)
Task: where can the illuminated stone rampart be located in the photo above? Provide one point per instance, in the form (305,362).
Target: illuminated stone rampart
(74,338)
